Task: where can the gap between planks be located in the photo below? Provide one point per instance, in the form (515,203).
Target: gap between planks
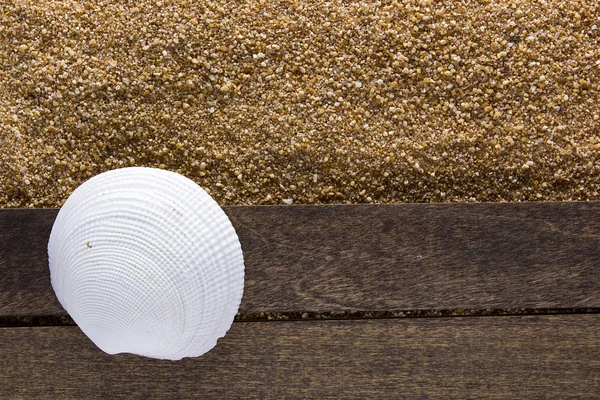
(65,320)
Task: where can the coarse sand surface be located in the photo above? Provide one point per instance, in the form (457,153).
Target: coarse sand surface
(300,102)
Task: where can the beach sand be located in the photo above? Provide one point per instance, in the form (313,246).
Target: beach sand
(301,102)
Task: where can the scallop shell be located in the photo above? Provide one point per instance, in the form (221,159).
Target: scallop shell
(146,262)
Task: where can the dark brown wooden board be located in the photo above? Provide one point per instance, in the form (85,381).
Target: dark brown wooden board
(370,257)
(553,357)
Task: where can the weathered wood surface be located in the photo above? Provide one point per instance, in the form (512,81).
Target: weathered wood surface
(553,357)
(362,257)
(327,258)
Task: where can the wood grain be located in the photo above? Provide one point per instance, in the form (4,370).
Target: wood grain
(25,285)
(554,357)
(370,257)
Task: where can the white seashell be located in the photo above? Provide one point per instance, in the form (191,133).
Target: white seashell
(146,262)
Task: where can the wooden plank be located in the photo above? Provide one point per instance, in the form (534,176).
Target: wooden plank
(482,358)
(25,285)
(370,257)
(421,256)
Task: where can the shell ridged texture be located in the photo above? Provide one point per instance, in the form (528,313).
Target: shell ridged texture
(146,262)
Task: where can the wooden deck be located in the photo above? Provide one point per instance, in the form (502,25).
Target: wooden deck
(495,300)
